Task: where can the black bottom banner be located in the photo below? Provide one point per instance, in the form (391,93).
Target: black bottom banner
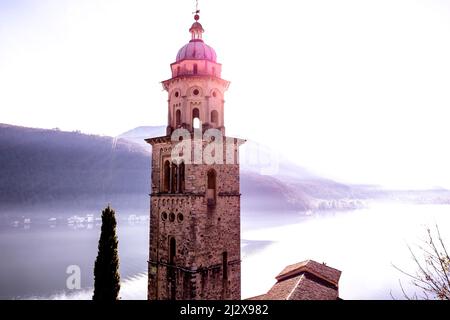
(198,310)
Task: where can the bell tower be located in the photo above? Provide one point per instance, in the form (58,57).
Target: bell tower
(195,196)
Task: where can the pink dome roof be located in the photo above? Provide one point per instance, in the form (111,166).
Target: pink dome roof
(196,50)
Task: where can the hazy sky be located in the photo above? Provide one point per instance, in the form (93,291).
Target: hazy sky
(356,90)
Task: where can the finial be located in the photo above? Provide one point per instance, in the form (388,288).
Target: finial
(196,30)
(196,12)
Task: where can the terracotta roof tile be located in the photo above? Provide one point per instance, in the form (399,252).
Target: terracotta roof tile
(260,297)
(309,289)
(282,290)
(318,269)
(307,280)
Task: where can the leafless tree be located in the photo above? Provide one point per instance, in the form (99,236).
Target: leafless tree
(433,274)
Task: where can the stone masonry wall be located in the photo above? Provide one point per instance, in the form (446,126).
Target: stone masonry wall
(202,233)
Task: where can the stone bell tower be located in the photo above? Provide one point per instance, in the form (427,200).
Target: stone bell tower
(195,202)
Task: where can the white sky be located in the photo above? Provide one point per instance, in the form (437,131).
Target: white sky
(356,90)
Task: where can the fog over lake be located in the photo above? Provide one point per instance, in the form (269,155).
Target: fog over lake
(362,243)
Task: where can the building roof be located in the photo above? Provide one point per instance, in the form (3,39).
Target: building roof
(307,280)
(196,26)
(196,49)
(320,270)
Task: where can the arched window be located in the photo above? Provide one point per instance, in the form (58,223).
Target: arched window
(215,117)
(178,117)
(171,273)
(196,118)
(212,179)
(178,70)
(211,187)
(195,113)
(172,250)
(174,178)
(225,265)
(166,176)
(195,68)
(181,174)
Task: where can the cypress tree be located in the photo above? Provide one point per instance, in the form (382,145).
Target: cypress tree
(106,269)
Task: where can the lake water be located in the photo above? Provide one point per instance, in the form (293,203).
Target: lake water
(363,244)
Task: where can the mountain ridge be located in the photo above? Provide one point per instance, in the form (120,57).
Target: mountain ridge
(52,167)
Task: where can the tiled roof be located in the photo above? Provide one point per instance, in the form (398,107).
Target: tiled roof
(260,297)
(284,289)
(309,289)
(318,269)
(306,280)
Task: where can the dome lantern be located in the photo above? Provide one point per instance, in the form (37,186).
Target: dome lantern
(196,30)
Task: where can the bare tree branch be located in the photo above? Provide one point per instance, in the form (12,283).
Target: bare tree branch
(433,274)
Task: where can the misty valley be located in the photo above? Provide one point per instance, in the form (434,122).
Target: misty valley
(52,192)
(36,253)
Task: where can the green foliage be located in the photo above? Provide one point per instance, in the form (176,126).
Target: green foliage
(106,269)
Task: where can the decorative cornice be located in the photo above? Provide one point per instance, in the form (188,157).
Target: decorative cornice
(165,139)
(190,194)
(157,140)
(166,83)
(229,194)
(192,270)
